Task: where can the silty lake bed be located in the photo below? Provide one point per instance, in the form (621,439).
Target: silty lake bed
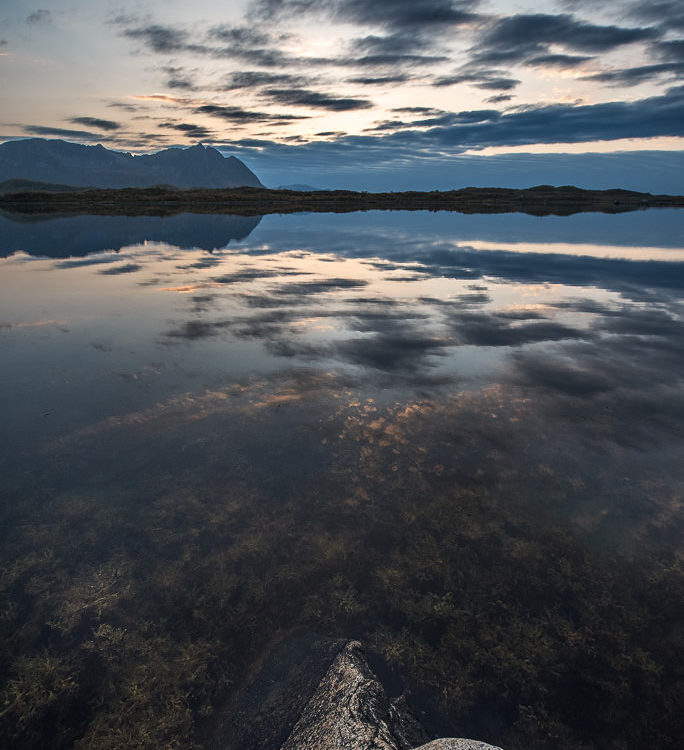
(455,438)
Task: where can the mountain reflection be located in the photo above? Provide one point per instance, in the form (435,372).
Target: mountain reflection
(67,236)
(377,427)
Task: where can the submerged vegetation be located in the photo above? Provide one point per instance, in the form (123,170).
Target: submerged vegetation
(474,564)
(247,201)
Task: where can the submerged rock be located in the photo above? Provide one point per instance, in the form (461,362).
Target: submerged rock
(322,695)
(263,711)
(351,711)
(454,743)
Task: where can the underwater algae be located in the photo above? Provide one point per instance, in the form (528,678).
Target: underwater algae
(462,538)
(438,434)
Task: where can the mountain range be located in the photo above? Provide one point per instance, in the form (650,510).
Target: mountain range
(56,161)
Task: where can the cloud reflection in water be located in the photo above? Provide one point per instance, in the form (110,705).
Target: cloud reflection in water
(384,432)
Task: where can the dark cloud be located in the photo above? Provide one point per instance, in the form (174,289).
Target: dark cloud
(493,80)
(419,111)
(392,344)
(209,262)
(254,46)
(400,350)
(391,44)
(636,75)
(164,39)
(520,37)
(309,288)
(676,90)
(39,16)
(189,129)
(307,98)
(556,123)
(626,277)
(559,374)
(473,299)
(42,130)
(178,78)
(398,48)
(559,61)
(666,13)
(220,41)
(520,314)
(585,305)
(670,50)
(3,42)
(175,82)
(92,261)
(269,325)
(398,34)
(380,80)
(242,116)
(249,274)
(490,329)
(633,373)
(497,84)
(117,270)
(398,341)
(126,106)
(241,36)
(387,125)
(198,329)
(440,119)
(435,14)
(300,349)
(202,302)
(498,99)
(637,321)
(96,122)
(262,48)
(257,78)
(389,60)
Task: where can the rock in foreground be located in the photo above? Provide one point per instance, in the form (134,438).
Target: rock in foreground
(322,696)
(351,711)
(454,743)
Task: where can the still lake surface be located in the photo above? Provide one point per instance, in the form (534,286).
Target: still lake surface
(457,438)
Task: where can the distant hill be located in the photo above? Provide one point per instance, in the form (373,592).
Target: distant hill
(20,186)
(72,164)
(300,188)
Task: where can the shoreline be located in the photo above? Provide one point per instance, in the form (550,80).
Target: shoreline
(542,200)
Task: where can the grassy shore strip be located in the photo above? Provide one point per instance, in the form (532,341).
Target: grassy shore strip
(540,200)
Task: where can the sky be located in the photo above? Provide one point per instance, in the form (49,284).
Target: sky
(381,94)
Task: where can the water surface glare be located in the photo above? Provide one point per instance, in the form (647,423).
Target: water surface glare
(456,438)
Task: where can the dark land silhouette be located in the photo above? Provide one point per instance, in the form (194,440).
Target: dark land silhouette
(541,200)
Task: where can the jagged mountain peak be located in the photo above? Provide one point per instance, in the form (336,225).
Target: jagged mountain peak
(63,162)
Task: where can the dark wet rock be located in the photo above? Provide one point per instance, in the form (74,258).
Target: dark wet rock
(313,694)
(351,711)
(454,743)
(265,709)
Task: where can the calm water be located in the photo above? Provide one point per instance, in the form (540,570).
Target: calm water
(457,438)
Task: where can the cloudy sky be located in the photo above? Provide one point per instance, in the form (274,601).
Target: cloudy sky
(360,93)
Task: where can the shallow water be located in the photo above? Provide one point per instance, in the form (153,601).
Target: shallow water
(457,438)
